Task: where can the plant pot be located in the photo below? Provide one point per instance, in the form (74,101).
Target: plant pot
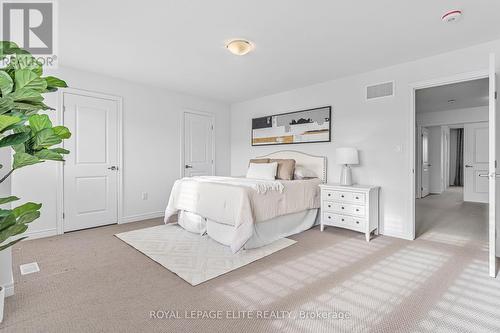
(2,298)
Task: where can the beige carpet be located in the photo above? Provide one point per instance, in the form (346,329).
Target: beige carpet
(194,258)
(90,281)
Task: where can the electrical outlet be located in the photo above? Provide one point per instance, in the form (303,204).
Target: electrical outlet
(144,195)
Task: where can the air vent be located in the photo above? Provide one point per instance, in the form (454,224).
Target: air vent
(380,90)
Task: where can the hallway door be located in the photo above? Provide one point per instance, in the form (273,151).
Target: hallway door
(476,162)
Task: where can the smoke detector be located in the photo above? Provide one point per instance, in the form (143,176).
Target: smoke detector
(452,16)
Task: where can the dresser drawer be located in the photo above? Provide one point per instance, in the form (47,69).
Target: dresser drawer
(345,196)
(349,222)
(343,208)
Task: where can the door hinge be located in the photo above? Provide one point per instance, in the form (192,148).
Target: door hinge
(64,108)
(496,95)
(212,127)
(63,216)
(421,189)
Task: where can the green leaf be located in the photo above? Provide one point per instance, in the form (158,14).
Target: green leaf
(53,83)
(26,95)
(60,151)
(24,159)
(14,139)
(13,230)
(7,221)
(8,199)
(6,104)
(5,212)
(46,154)
(62,132)
(26,208)
(6,121)
(46,138)
(24,60)
(28,217)
(26,78)
(28,107)
(19,148)
(3,247)
(39,122)
(7,48)
(6,83)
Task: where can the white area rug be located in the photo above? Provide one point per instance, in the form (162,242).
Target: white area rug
(192,257)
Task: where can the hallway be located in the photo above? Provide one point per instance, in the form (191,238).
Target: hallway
(447,215)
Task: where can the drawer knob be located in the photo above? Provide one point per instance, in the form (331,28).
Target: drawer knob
(329,206)
(329,195)
(342,207)
(357,210)
(342,196)
(342,220)
(329,217)
(357,198)
(357,222)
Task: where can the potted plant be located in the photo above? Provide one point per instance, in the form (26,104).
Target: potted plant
(24,130)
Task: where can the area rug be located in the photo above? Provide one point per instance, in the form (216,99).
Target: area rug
(193,257)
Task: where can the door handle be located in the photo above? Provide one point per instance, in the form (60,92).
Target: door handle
(469,166)
(113,168)
(188,166)
(483,175)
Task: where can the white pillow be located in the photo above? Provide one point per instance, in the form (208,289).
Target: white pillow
(303,173)
(262,171)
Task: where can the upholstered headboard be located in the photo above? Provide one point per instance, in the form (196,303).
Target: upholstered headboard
(317,164)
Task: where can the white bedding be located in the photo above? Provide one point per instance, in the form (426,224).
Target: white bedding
(241,202)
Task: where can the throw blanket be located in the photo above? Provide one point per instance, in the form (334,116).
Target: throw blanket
(261,186)
(240,202)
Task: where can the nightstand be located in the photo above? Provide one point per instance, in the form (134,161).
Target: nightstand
(351,207)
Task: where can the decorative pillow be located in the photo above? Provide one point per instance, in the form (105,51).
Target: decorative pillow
(303,173)
(262,171)
(259,160)
(286,168)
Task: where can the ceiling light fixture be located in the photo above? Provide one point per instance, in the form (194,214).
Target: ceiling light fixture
(451,101)
(452,16)
(239,46)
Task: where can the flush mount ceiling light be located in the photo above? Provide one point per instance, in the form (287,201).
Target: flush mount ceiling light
(452,16)
(239,47)
(451,101)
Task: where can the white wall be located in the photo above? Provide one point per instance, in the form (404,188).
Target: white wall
(377,128)
(151,132)
(435,176)
(453,117)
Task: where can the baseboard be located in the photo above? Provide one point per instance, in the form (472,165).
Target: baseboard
(41,233)
(9,287)
(141,217)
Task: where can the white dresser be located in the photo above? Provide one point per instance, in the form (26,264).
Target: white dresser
(351,207)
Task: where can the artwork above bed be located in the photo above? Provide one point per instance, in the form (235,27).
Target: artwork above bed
(307,126)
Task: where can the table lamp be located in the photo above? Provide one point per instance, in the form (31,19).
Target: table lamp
(347,157)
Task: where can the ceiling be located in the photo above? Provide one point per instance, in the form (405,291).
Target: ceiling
(179,45)
(453,96)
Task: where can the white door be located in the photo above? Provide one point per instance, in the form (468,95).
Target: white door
(476,136)
(425,177)
(198,145)
(91,169)
(494,185)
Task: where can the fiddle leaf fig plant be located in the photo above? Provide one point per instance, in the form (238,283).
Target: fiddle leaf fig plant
(29,134)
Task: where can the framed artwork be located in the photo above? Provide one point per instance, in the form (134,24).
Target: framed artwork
(306,126)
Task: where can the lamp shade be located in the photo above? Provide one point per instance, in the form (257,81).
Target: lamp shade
(347,156)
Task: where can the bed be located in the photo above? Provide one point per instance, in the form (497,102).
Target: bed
(249,213)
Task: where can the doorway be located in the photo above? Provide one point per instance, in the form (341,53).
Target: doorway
(197,144)
(452,160)
(92,172)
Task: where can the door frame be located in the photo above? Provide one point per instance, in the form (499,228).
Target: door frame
(182,157)
(60,166)
(462,77)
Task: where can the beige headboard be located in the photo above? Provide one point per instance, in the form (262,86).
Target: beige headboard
(317,164)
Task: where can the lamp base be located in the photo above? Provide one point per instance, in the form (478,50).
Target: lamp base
(346,176)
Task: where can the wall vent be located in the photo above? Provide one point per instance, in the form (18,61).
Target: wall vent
(380,90)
